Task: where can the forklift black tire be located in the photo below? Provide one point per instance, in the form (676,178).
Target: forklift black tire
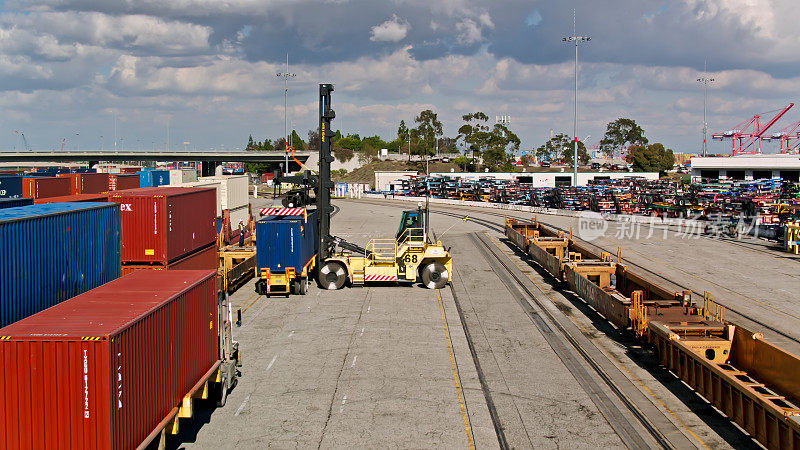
(332,275)
(435,276)
(223,391)
(303,287)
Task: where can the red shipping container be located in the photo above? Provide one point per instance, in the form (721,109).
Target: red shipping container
(121,182)
(87,183)
(73,198)
(164,224)
(130,169)
(41,187)
(205,259)
(103,369)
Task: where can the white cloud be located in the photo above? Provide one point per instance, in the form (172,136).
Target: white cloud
(393,30)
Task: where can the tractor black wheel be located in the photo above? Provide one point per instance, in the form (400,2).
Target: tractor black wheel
(435,276)
(332,275)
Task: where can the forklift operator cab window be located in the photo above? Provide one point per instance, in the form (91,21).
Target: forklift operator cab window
(410,219)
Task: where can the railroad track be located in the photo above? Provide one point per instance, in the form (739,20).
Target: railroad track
(738,312)
(637,422)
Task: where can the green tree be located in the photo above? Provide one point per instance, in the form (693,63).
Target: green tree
(568,152)
(651,158)
(374,142)
(313,141)
(251,145)
(492,143)
(428,129)
(620,133)
(351,142)
(403,135)
(297,141)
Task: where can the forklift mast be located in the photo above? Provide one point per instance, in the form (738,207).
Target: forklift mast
(324,208)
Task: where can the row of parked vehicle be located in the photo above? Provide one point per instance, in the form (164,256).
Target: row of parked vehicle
(768,201)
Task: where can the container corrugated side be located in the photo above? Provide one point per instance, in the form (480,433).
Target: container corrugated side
(41,187)
(120,182)
(10,186)
(15,202)
(50,253)
(87,182)
(103,369)
(161,225)
(287,241)
(179,176)
(97,198)
(203,259)
(153,178)
(234,190)
(217,185)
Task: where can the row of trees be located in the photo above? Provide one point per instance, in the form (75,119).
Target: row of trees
(486,146)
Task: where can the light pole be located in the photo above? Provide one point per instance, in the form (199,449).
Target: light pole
(577,39)
(286,75)
(705,80)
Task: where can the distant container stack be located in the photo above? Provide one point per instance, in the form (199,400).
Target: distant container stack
(103,369)
(216,185)
(161,227)
(120,182)
(153,178)
(41,187)
(86,182)
(50,253)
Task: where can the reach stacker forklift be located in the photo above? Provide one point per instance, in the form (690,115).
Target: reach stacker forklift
(410,256)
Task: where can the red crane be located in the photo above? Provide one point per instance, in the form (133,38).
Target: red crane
(787,135)
(746,137)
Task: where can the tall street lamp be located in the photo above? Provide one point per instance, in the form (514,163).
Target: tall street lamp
(705,80)
(286,75)
(577,40)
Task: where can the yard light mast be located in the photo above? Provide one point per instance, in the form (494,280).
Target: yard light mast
(577,40)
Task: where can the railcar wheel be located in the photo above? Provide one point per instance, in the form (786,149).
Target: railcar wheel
(435,276)
(331,276)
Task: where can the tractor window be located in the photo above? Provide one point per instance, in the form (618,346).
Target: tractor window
(410,219)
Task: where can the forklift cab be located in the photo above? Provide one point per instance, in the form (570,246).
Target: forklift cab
(412,219)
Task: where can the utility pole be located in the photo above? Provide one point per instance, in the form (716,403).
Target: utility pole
(705,80)
(577,39)
(286,75)
(115,131)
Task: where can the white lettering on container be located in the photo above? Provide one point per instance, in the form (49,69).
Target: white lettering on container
(85,384)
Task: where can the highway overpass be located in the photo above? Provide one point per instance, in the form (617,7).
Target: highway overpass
(209,159)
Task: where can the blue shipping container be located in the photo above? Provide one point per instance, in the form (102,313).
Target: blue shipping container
(153,178)
(286,241)
(10,186)
(53,252)
(15,202)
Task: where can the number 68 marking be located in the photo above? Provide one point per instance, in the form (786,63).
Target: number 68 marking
(410,259)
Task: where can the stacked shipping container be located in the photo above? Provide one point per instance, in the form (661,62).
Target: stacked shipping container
(73,198)
(41,187)
(50,253)
(153,178)
(87,183)
(120,182)
(103,369)
(10,186)
(162,227)
(15,202)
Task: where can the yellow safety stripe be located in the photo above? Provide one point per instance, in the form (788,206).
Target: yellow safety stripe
(91,338)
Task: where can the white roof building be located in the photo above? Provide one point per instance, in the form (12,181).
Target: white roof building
(747,167)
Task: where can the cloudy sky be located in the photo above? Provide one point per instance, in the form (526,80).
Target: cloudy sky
(206,69)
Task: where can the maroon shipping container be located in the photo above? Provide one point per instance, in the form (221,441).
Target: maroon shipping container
(120,182)
(164,224)
(103,369)
(87,183)
(130,169)
(204,259)
(266,177)
(73,198)
(41,187)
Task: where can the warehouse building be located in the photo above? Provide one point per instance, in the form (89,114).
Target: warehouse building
(747,167)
